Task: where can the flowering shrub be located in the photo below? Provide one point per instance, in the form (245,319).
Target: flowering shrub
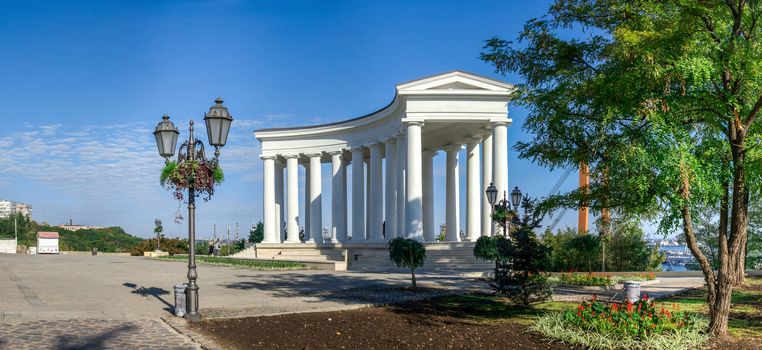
(639,320)
(643,276)
(587,279)
(200,175)
(601,279)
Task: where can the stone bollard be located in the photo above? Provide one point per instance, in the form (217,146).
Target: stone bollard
(631,291)
(95,251)
(180,299)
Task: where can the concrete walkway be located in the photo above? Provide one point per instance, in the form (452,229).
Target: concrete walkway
(660,288)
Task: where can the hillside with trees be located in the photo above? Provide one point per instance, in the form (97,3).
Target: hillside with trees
(108,239)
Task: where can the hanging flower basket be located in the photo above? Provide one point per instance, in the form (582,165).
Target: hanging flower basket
(500,215)
(202,176)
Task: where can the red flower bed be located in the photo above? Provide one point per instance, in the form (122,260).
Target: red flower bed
(640,319)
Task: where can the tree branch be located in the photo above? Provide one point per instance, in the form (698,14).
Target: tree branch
(753,114)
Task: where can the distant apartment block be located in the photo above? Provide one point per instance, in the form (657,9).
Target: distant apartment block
(9,208)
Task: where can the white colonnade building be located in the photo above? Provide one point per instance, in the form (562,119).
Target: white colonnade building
(385,160)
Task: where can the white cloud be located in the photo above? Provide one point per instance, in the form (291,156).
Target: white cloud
(108,174)
(100,161)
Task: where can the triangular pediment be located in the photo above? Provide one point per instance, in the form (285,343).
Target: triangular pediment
(453,81)
(458,85)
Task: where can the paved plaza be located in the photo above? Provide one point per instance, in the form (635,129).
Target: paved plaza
(74,302)
(68,302)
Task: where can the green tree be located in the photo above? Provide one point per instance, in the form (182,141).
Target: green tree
(524,282)
(662,100)
(27,229)
(754,244)
(406,252)
(520,259)
(585,250)
(486,249)
(171,245)
(706,224)
(257,233)
(628,250)
(561,259)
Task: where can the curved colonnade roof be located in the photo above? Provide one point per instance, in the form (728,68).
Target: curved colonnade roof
(453,107)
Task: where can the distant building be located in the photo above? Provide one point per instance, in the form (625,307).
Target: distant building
(25,209)
(71,226)
(47,242)
(9,208)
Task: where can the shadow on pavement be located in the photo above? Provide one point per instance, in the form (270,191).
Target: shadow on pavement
(151,291)
(349,288)
(70,342)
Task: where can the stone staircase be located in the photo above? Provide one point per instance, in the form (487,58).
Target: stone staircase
(313,255)
(455,257)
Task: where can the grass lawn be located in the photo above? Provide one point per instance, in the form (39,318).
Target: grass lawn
(745,313)
(249,263)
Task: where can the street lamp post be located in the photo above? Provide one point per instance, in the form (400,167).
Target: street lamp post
(218,121)
(503,204)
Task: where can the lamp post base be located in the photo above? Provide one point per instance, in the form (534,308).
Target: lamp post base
(191,302)
(194,317)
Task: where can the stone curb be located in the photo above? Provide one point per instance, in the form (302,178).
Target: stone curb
(181,327)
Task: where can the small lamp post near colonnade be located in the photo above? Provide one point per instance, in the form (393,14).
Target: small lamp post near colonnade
(503,206)
(218,121)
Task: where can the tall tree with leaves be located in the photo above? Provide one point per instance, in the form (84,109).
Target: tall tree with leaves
(662,100)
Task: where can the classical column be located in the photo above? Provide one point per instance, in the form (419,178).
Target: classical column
(358,195)
(500,158)
(345,209)
(307,201)
(279,222)
(338,198)
(292,183)
(376,193)
(413,190)
(487,225)
(367,200)
(269,200)
(390,189)
(452,201)
(316,199)
(429,226)
(473,191)
(401,178)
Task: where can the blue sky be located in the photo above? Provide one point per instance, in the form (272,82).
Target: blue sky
(84,83)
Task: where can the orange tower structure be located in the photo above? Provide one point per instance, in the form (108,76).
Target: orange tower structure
(584,181)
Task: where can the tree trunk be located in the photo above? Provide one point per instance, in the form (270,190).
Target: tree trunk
(706,266)
(412,272)
(740,266)
(730,245)
(412,266)
(720,310)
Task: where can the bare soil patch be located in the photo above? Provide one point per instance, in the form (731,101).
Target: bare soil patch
(458,322)
(416,325)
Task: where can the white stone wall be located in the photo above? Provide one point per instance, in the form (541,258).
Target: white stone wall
(8,246)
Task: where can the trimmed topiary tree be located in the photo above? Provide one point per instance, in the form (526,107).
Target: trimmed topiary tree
(486,249)
(405,252)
